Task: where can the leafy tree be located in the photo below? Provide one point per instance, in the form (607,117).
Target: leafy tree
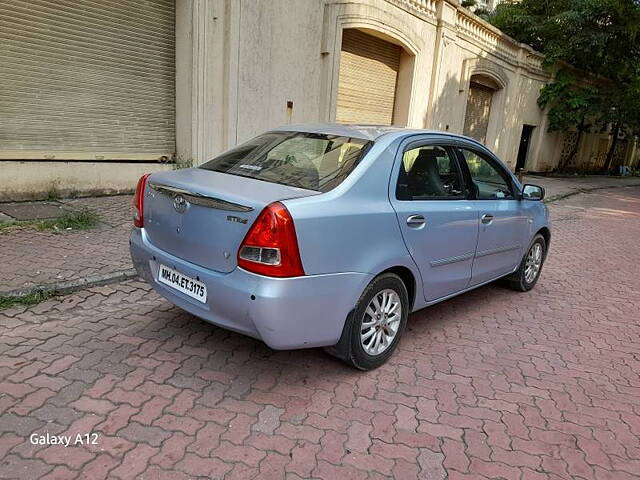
(571,104)
(475,8)
(597,40)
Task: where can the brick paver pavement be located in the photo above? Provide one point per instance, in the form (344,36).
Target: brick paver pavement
(30,258)
(492,384)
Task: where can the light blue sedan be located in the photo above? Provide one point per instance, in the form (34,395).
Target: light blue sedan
(330,235)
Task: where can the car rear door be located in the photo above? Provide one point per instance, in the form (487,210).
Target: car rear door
(438,225)
(501,220)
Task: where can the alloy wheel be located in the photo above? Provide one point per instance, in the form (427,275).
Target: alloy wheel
(533,263)
(381,322)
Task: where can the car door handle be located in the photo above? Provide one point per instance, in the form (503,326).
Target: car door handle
(416,221)
(487,218)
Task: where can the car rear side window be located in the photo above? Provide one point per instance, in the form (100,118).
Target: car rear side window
(429,172)
(306,160)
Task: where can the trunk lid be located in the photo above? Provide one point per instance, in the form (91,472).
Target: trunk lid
(218,210)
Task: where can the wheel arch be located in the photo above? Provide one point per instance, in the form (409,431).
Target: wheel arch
(409,280)
(546,233)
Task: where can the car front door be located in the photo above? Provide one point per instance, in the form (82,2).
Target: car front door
(502,222)
(438,225)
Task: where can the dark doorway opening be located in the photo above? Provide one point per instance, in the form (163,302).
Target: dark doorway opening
(525,139)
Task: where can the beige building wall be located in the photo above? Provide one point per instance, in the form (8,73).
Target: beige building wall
(241,62)
(245,66)
(252,59)
(27,180)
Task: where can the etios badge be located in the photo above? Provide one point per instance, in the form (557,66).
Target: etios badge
(179,203)
(234,219)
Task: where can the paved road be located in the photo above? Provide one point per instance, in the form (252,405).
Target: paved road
(493,384)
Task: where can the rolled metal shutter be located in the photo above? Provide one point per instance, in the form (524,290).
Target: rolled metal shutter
(87,79)
(476,119)
(367,79)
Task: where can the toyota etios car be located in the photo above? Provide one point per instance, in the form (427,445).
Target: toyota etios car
(330,235)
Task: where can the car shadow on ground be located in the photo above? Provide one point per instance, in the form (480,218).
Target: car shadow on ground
(426,324)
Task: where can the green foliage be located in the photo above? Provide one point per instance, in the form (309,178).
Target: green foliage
(30,299)
(53,193)
(483,13)
(597,36)
(77,220)
(180,164)
(473,6)
(570,102)
(600,39)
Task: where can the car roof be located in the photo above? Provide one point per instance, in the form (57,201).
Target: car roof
(363,132)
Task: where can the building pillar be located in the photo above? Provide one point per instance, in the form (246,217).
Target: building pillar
(184,66)
(445,36)
(204,78)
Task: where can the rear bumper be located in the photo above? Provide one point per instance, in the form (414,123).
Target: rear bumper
(285,313)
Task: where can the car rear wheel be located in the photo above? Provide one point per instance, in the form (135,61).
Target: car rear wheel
(525,278)
(373,329)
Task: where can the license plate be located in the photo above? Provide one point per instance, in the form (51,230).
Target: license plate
(187,285)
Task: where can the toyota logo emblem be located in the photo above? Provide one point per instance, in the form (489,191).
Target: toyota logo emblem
(179,203)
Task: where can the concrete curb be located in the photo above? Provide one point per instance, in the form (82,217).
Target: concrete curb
(74,285)
(577,191)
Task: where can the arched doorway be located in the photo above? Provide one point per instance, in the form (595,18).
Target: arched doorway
(476,119)
(371,71)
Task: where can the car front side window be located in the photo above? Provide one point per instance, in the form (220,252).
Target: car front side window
(489,181)
(428,172)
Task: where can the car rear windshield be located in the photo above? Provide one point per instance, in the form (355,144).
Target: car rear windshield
(306,160)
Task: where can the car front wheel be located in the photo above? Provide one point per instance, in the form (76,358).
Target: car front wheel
(525,278)
(373,329)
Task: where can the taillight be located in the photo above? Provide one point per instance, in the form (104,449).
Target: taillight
(271,245)
(138,201)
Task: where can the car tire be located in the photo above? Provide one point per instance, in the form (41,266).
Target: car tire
(522,280)
(383,297)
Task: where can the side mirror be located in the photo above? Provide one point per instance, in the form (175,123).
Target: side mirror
(532,192)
